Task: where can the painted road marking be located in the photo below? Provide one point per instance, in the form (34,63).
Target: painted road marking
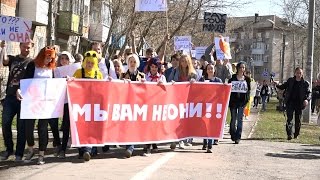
(149,170)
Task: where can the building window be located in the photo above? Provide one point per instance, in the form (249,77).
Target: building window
(76,7)
(86,17)
(106,15)
(266,59)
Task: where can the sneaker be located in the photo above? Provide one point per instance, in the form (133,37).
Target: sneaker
(147,153)
(188,144)
(128,153)
(155,150)
(289,138)
(40,160)
(215,142)
(5,155)
(181,145)
(29,156)
(62,155)
(86,156)
(173,146)
(204,147)
(18,159)
(209,150)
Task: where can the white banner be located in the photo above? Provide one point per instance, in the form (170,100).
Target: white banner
(42,98)
(200,52)
(15,29)
(239,86)
(151,5)
(222,48)
(64,71)
(182,43)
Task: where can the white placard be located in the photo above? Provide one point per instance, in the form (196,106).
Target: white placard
(200,51)
(239,86)
(69,70)
(199,73)
(42,98)
(222,52)
(182,43)
(151,5)
(15,29)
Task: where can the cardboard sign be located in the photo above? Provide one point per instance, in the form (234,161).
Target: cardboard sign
(222,48)
(200,51)
(151,5)
(69,70)
(42,98)
(15,29)
(214,22)
(182,43)
(239,86)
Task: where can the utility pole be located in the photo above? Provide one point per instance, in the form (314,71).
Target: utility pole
(309,65)
(282,57)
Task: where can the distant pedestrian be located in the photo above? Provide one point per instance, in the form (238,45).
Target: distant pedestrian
(296,98)
(264,94)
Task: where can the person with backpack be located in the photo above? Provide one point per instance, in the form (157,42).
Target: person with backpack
(105,65)
(11,105)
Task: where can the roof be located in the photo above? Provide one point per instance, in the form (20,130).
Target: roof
(269,21)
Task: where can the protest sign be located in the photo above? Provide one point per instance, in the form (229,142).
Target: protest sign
(214,22)
(145,112)
(200,51)
(239,86)
(151,5)
(42,98)
(222,48)
(69,70)
(15,29)
(182,43)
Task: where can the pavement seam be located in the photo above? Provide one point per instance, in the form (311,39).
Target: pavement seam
(254,125)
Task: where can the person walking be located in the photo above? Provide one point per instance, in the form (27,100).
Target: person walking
(264,94)
(296,98)
(238,101)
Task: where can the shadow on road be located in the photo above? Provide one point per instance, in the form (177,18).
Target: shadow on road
(297,154)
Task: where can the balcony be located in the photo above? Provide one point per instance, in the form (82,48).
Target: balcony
(98,32)
(257,51)
(34,10)
(69,23)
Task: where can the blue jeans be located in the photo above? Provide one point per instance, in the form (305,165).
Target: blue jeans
(130,147)
(11,107)
(208,142)
(264,101)
(236,123)
(82,150)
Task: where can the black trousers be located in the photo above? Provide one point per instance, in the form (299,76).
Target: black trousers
(297,111)
(42,133)
(54,125)
(65,127)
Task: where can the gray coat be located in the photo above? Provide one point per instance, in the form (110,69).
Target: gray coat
(223,72)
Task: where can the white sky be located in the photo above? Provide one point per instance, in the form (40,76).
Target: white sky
(262,7)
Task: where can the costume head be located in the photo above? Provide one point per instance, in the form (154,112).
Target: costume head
(46,52)
(91,56)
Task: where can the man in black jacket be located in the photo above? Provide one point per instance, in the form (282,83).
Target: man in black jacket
(296,99)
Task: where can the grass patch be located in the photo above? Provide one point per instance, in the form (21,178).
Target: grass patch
(271,127)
